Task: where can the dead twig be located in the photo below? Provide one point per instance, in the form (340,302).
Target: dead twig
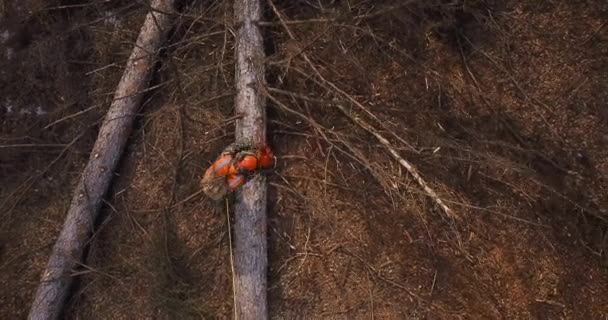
(407,165)
(328,84)
(336,19)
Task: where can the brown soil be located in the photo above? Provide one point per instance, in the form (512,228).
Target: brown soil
(499,104)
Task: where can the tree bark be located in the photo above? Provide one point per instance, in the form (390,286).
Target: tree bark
(250,254)
(93,185)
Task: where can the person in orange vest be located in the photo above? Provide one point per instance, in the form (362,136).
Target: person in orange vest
(233,167)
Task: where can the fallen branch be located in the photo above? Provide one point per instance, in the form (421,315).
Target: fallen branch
(322,81)
(250,254)
(367,127)
(408,166)
(88,196)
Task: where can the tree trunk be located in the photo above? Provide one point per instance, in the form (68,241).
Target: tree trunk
(250,254)
(87,199)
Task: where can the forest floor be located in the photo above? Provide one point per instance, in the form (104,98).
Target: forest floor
(501,105)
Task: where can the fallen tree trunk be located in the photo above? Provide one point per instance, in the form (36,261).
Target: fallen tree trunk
(250,254)
(87,199)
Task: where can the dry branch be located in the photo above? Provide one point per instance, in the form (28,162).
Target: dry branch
(408,166)
(250,209)
(386,143)
(322,81)
(88,196)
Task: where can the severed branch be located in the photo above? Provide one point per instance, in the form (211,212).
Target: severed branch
(87,199)
(328,84)
(369,128)
(406,164)
(250,254)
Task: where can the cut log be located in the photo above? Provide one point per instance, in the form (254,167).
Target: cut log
(250,254)
(93,185)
